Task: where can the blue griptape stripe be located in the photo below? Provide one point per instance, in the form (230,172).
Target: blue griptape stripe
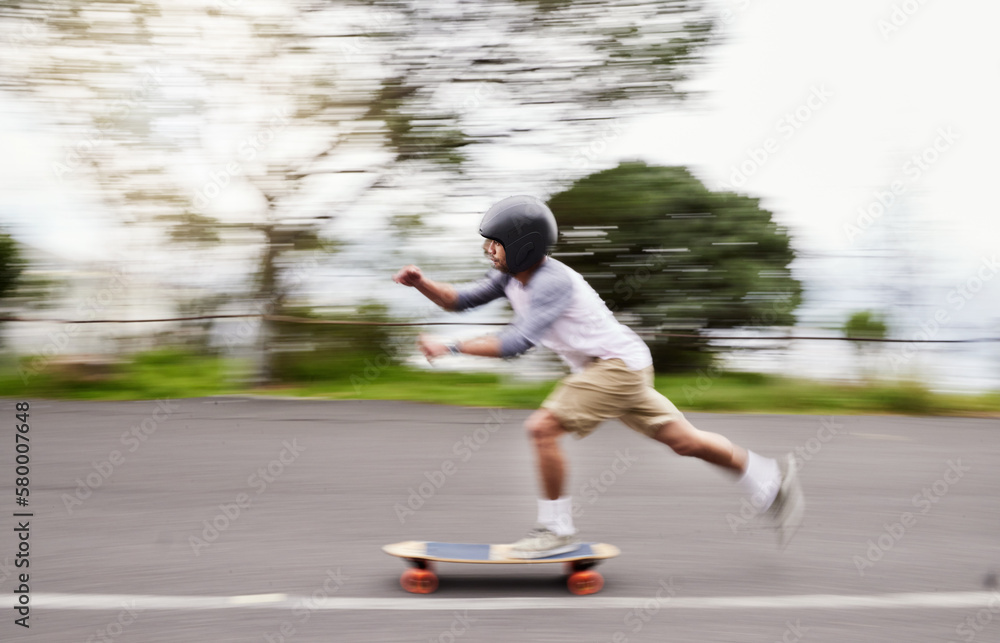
(454,550)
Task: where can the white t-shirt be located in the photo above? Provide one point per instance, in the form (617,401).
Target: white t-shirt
(559,310)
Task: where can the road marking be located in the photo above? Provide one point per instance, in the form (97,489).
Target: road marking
(111,602)
(881,436)
(258,599)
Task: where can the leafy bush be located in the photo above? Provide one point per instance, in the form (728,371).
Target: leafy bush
(303,352)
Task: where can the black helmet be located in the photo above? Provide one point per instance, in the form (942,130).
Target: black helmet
(524,226)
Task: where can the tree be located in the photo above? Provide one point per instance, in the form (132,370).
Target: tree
(863,325)
(670,256)
(261,122)
(140,87)
(11,265)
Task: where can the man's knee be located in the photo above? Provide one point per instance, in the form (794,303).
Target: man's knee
(682,439)
(542,426)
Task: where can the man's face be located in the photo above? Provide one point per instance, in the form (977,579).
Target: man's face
(497,255)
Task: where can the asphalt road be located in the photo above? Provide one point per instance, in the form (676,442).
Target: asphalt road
(229,519)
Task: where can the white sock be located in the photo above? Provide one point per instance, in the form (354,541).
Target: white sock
(557,515)
(761,480)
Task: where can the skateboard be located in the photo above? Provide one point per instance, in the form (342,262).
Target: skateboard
(422,555)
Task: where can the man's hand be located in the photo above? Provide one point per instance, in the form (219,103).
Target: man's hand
(409,276)
(432,347)
(444,295)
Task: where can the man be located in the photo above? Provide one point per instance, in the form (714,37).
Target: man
(612,372)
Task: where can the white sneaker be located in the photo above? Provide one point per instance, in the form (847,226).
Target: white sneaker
(789,505)
(542,542)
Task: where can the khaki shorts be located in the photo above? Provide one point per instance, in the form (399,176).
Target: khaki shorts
(607,389)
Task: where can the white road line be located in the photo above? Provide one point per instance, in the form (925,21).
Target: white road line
(881,436)
(112,602)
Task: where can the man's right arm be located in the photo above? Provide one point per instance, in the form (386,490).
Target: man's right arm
(442,294)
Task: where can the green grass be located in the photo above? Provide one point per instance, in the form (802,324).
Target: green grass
(175,374)
(727,393)
(464,389)
(756,393)
(153,375)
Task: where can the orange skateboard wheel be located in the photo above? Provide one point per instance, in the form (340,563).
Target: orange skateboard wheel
(585,582)
(419,581)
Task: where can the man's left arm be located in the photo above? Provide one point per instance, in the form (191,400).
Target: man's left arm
(486,346)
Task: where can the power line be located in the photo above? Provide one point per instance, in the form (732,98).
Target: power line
(340,322)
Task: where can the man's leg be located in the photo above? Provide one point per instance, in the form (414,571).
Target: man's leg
(656,416)
(544,430)
(682,436)
(555,532)
(759,477)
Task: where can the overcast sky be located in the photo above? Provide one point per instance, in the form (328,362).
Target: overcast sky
(887,93)
(821,109)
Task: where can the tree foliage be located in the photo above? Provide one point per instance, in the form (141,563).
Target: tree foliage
(166,105)
(11,264)
(673,257)
(865,324)
(261,122)
(862,325)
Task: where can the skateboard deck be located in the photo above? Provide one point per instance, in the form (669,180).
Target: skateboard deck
(421,579)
